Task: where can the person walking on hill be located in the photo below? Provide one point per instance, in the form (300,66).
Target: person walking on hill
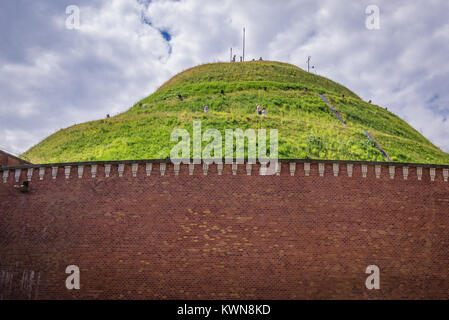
(264,112)
(205,108)
(259,112)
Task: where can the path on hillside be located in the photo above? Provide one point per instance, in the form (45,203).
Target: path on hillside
(377,145)
(333,109)
(364,131)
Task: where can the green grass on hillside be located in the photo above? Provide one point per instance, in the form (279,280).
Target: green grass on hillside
(307,127)
(255,71)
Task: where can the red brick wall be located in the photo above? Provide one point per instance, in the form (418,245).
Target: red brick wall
(225,237)
(8,160)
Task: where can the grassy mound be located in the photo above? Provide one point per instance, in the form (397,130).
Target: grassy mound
(307,127)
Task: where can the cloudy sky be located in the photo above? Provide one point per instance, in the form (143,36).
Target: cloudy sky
(52,77)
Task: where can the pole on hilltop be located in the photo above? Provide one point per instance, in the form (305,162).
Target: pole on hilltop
(243,44)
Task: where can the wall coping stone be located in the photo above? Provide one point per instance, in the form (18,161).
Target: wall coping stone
(291,163)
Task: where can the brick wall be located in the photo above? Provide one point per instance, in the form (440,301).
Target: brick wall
(8,160)
(228,236)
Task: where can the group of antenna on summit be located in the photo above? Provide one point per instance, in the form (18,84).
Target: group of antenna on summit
(241,59)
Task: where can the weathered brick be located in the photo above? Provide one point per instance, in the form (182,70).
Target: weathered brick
(225,236)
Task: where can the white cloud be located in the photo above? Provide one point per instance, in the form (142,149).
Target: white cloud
(52,77)
(13,138)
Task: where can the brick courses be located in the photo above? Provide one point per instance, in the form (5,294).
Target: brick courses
(225,236)
(8,160)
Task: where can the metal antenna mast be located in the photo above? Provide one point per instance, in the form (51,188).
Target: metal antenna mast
(243,44)
(308,64)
